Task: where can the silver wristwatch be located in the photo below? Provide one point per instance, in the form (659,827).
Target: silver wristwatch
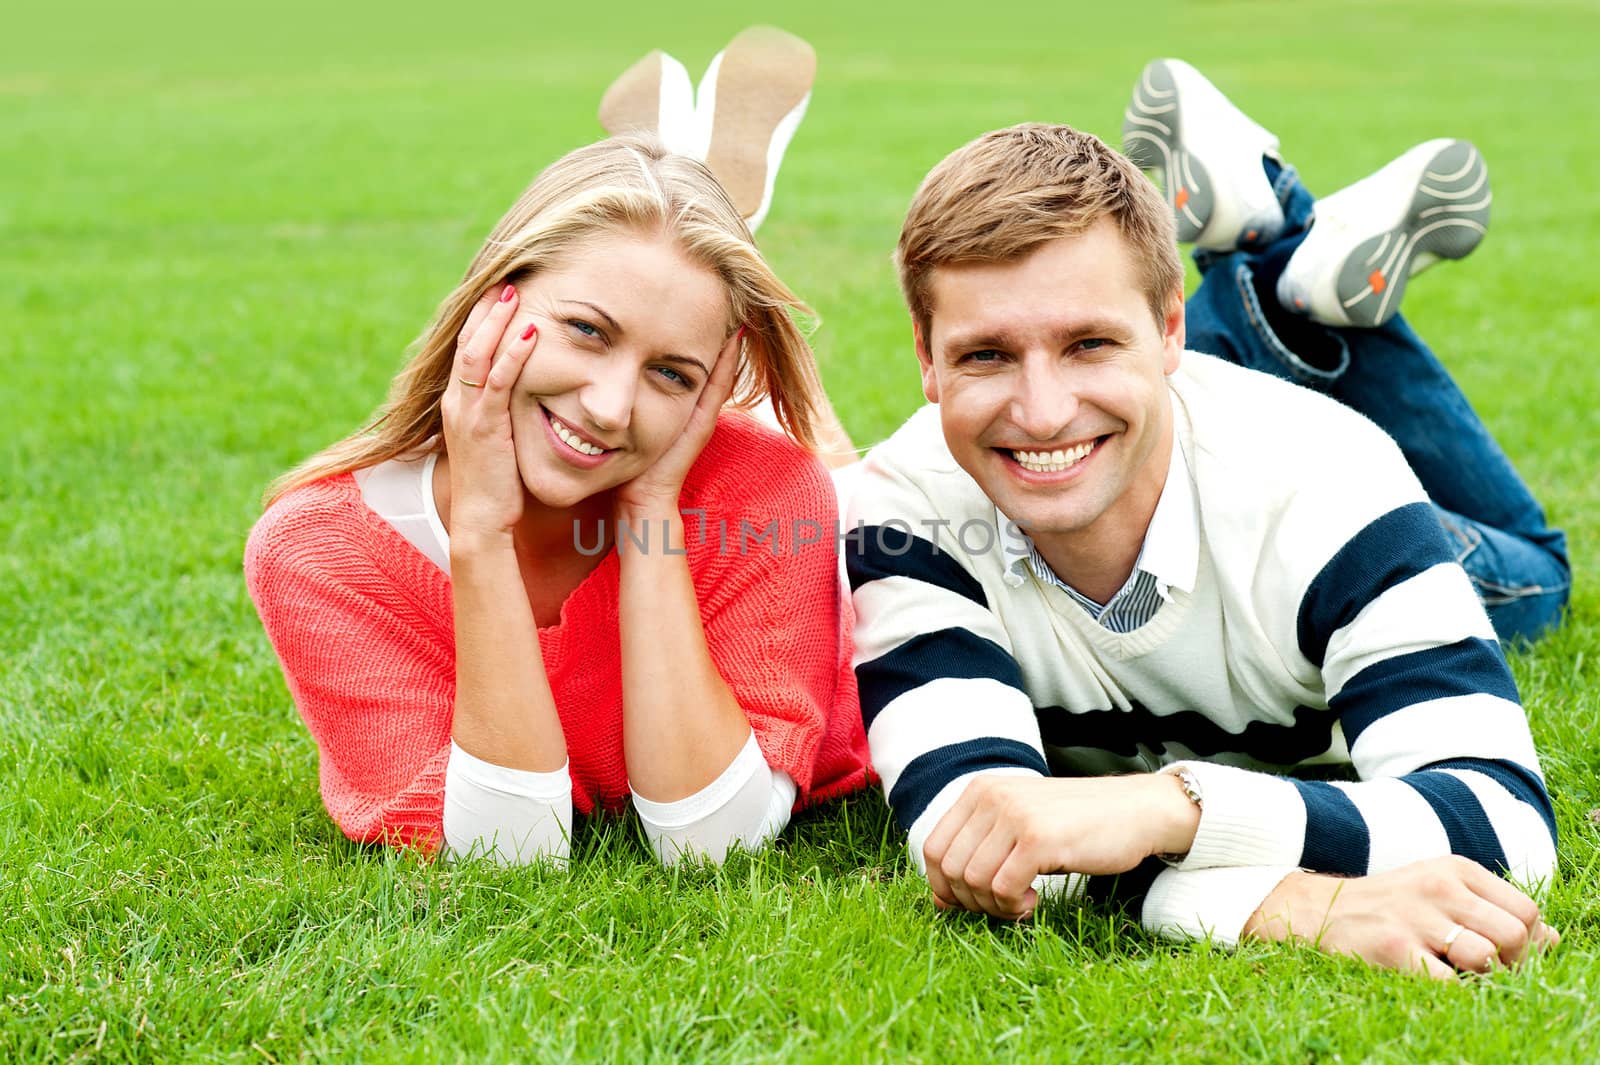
(1191,788)
(1191,783)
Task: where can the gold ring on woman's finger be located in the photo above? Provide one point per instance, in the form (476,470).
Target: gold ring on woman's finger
(470,384)
(1451,936)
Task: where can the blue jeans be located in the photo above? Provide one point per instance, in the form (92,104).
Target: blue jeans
(1517,563)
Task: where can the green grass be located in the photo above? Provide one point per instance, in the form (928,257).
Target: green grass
(219,231)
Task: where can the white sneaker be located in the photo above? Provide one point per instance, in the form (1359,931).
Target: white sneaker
(1209,155)
(1368,239)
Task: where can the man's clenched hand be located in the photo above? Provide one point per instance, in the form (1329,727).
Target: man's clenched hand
(985,852)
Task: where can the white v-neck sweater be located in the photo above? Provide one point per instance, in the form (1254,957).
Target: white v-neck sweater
(1329,625)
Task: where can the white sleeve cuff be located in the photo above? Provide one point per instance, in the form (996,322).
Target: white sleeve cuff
(514,815)
(1246,818)
(1210,904)
(747,805)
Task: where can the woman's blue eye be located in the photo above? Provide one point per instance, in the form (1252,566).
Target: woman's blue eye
(672,375)
(583,327)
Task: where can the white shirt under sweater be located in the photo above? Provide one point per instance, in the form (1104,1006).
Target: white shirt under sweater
(518,816)
(1167,560)
(1328,624)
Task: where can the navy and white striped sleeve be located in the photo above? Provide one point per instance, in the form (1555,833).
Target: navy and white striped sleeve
(1427,704)
(942,698)
(1431,716)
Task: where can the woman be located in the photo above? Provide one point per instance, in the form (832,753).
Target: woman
(490,607)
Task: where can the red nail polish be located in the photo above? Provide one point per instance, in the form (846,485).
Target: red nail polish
(527,334)
(507,292)
(739,337)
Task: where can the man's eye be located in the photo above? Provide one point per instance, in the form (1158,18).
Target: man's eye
(986,355)
(1093,343)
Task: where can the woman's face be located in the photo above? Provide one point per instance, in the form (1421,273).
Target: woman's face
(629,329)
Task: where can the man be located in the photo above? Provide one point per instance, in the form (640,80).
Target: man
(1111,593)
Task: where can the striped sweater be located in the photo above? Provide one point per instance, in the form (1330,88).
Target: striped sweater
(1330,632)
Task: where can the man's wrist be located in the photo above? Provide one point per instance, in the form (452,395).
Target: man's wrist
(1178,820)
(1299,907)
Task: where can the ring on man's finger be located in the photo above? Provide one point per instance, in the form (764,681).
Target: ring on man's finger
(1451,936)
(479,384)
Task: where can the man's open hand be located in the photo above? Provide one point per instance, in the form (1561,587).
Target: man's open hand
(1436,916)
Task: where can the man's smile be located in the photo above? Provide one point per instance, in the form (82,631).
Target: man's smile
(1055,460)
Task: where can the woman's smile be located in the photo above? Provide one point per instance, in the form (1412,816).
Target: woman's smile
(573,446)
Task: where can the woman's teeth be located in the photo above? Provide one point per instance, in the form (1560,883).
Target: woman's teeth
(572,440)
(1052,461)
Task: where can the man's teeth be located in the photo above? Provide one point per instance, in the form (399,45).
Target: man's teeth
(1052,461)
(572,439)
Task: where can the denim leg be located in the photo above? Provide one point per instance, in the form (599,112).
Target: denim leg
(1523,581)
(1235,315)
(1518,564)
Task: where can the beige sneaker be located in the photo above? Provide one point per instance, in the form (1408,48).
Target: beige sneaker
(654,96)
(749,105)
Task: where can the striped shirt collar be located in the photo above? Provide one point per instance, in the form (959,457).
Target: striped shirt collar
(1171,550)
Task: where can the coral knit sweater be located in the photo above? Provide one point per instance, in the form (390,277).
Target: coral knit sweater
(362,624)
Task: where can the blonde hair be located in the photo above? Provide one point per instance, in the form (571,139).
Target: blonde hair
(998,198)
(623,184)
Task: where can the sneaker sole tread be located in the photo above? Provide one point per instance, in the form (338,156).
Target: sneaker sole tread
(1447,219)
(1152,137)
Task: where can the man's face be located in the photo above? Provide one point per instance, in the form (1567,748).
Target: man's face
(1050,375)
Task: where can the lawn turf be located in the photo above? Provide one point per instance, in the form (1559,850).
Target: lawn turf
(219,231)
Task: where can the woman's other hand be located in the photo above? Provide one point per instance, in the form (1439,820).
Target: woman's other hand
(486,489)
(657,488)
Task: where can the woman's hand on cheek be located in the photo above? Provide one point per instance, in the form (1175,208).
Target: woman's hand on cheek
(657,488)
(486,491)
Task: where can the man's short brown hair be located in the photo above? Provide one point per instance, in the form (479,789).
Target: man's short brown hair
(998,198)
